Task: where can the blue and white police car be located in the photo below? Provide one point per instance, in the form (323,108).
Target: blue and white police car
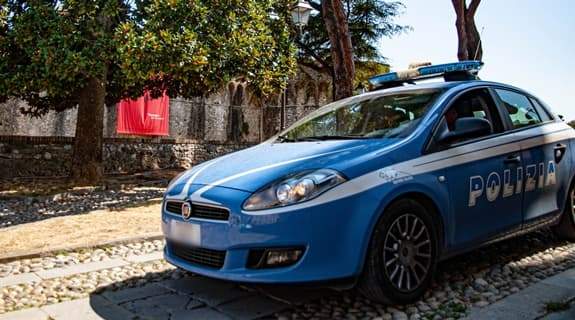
(379,187)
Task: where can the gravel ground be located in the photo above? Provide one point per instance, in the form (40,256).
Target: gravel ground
(475,279)
(18,210)
(65,259)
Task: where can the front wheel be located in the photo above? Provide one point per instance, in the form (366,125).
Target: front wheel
(566,227)
(402,256)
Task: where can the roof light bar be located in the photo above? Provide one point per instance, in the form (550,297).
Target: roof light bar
(425,72)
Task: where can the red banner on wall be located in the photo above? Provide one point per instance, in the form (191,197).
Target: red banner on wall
(145,116)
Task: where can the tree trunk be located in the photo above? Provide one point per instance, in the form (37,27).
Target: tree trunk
(337,28)
(469,47)
(459,6)
(475,50)
(87,166)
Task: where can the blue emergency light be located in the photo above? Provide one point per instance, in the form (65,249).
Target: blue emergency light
(464,70)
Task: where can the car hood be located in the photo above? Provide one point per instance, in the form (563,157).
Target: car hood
(253,168)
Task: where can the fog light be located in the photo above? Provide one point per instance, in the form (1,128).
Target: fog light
(276,258)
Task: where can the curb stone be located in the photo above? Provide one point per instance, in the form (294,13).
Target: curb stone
(530,302)
(82,268)
(40,253)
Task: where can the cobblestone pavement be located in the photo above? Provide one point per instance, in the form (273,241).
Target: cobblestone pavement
(79,257)
(132,280)
(18,210)
(550,299)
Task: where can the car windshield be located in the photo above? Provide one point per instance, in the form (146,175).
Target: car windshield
(389,116)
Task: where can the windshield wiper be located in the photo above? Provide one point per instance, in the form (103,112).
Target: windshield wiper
(283,139)
(324,138)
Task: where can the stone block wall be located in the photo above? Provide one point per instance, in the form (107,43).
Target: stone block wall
(200,129)
(232,114)
(51,156)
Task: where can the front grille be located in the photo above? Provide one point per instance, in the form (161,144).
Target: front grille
(200,256)
(199,211)
(213,213)
(174,207)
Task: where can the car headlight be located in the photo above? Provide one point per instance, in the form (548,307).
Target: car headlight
(294,189)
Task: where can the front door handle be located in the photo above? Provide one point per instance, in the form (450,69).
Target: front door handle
(513,159)
(559,152)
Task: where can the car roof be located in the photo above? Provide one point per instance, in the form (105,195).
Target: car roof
(446,85)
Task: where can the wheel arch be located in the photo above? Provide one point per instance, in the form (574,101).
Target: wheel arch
(423,195)
(430,204)
(570,185)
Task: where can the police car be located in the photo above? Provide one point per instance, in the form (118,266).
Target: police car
(379,187)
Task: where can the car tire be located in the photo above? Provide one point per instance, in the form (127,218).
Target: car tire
(402,255)
(565,229)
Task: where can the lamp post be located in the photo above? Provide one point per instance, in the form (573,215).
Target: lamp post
(300,14)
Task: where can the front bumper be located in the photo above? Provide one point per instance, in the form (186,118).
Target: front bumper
(334,235)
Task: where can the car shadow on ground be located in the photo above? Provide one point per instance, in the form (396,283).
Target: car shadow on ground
(176,294)
(489,274)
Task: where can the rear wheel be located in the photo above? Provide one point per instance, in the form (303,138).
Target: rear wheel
(402,255)
(566,227)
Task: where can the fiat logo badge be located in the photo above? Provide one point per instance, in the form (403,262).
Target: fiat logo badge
(186,210)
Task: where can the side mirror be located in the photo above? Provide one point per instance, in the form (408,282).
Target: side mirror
(465,128)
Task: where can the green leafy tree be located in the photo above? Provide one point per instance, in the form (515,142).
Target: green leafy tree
(62,54)
(368,21)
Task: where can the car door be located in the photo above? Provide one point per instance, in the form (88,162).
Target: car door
(544,154)
(481,174)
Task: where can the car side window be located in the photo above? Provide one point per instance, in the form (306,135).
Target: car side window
(521,112)
(543,113)
(473,104)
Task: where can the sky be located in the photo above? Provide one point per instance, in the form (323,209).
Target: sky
(526,43)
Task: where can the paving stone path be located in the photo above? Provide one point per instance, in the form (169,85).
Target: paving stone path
(133,281)
(175,295)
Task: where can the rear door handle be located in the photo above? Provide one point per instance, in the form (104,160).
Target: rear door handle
(512,159)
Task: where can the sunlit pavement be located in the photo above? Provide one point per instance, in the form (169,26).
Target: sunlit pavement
(518,276)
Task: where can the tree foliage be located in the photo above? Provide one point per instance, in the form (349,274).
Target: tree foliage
(367,69)
(369,21)
(192,47)
(58,54)
(50,48)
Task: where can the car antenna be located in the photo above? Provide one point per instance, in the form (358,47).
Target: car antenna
(479,45)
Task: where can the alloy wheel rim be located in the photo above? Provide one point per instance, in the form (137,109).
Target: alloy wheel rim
(407,252)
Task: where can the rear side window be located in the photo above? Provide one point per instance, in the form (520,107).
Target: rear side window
(519,108)
(545,116)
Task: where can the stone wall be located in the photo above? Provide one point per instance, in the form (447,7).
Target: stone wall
(232,114)
(51,156)
(200,129)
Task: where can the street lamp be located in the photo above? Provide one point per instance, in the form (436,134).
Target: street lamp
(300,13)
(300,18)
